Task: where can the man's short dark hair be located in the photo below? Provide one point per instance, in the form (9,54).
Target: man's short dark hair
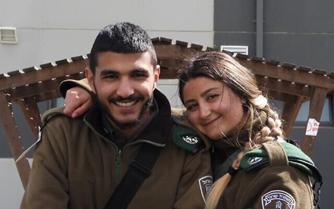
(124,38)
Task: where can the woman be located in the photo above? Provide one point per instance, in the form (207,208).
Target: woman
(224,103)
(253,165)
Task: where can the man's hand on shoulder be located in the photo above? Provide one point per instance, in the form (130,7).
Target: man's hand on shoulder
(77,102)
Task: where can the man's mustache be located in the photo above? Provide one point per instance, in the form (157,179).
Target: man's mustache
(130,98)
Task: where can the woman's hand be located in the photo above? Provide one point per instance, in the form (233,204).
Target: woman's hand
(77,101)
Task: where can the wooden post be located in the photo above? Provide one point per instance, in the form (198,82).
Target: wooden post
(316,105)
(13,139)
(30,110)
(290,112)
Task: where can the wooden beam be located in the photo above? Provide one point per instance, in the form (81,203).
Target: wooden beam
(316,105)
(290,112)
(41,88)
(284,86)
(280,96)
(13,139)
(175,52)
(33,90)
(31,112)
(296,76)
(44,74)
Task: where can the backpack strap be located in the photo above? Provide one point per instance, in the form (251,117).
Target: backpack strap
(276,153)
(137,172)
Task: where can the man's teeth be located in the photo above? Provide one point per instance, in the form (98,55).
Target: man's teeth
(125,104)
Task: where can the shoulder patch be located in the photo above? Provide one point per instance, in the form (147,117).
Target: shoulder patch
(278,199)
(258,158)
(254,159)
(187,139)
(205,185)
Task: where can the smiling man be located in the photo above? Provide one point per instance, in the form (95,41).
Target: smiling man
(124,88)
(126,151)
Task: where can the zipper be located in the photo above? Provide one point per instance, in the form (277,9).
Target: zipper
(119,152)
(118,164)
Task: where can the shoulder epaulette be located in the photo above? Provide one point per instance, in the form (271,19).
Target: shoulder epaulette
(186,138)
(51,113)
(258,158)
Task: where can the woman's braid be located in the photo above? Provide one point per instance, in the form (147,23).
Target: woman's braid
(267,126)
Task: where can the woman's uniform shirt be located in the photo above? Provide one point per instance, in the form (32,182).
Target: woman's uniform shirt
(276,176)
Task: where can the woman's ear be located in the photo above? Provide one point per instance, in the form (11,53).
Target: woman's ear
(244,104)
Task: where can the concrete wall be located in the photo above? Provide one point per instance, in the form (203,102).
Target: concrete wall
(300,31)
(54,30)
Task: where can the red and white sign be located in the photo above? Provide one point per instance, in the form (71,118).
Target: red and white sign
(312,127)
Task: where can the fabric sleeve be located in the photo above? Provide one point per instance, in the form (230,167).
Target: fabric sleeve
(70,83)
(195,183)
(273,187)
(48,185)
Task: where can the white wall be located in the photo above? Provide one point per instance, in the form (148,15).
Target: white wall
(11,188)
(54,30)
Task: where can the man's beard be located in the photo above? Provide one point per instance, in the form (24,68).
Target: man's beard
(113,99)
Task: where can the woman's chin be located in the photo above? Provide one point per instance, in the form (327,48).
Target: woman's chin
(214,137)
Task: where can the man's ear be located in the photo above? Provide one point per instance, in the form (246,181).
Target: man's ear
(156,73)
(90,78)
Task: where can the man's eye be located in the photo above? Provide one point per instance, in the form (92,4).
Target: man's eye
(139,74)
(109,76)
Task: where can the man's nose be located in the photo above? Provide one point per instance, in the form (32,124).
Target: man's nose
(125,88)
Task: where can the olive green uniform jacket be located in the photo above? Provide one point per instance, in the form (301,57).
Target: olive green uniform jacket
(77,166)
(275,176)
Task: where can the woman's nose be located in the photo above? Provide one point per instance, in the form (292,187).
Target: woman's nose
(204,111)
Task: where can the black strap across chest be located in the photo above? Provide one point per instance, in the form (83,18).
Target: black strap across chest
(137,172)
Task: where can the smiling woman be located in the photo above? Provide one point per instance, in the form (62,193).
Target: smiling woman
(254,167)
(212,107)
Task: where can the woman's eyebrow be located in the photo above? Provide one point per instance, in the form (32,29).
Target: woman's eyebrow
(208,90)
(202,94)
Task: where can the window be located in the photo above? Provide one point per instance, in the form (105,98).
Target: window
(326,116)
(235,49)
(302,117)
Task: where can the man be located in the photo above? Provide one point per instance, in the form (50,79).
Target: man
(126,151)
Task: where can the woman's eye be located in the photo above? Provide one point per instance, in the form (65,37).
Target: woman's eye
(212,97)
(191,108)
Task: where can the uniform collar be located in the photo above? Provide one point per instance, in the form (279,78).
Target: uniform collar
(157,131)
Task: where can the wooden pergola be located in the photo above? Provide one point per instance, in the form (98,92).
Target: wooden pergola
(282,81)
